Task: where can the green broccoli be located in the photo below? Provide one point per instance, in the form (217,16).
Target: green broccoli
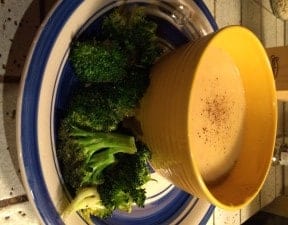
(134,86)
(103,169)
(93,108)
(129,42)
(98,62)
(85,154)
(126,177)
(134,33)
(102,108)
(120,190)
(87,202)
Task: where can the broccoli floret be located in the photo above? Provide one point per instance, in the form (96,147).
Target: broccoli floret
(98,62)
(134,33)
(94,108)
(118,82)
(85,154)
(126,178)
(120,188)
(88,203)
(102,108)
(105,170)
(134,87)
(129,42)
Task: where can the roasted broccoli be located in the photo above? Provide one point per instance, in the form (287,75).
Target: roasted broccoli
(94,108)
(120,185)
(85,154)
(103,107)
(134,33)
(98,62)
(125,180)
(88,203)
(128,42)
(104,169)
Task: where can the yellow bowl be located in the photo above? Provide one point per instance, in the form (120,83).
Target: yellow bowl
(209,117)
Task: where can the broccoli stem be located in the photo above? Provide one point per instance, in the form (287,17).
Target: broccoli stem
(92,142)
(86,198)
(98,162)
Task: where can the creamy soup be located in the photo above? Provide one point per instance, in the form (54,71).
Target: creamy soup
(217,110)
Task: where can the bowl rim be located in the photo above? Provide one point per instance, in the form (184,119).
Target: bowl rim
(252,38)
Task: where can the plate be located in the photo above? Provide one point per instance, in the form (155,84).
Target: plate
(46,85)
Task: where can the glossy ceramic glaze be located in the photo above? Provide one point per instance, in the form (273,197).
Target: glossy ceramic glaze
(168,108)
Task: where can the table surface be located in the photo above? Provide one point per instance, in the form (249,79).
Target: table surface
(19,21)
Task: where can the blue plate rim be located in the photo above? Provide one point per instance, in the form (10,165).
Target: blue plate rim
(27,142)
